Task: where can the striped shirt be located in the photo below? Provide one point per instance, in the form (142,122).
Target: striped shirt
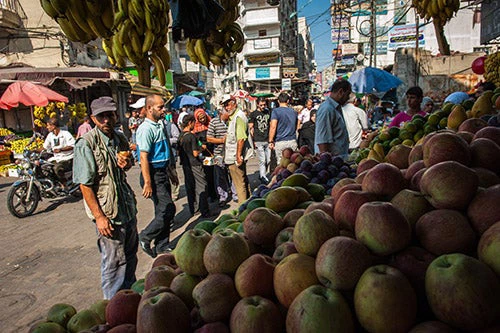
(217,129)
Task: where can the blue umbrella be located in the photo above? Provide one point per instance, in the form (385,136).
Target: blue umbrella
(183,100)
(373,80)
(457,97)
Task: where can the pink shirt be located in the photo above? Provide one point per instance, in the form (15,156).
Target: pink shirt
(403,117)
(84,128)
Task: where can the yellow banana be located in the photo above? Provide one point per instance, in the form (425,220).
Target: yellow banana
(135,42)
(107,46)
(123,6)
(160,69)
(73,31)
(201,52)
(149,20)
(149,38)
(118,47)
(217,61)
(137,9)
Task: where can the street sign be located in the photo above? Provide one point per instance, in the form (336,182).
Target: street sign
(286,84)
(288,61)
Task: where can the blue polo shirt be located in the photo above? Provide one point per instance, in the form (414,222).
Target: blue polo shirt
(331,128)
(151,139)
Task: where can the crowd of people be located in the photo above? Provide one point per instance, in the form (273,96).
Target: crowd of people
(212,150)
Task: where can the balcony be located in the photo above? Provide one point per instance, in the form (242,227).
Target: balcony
(11,14)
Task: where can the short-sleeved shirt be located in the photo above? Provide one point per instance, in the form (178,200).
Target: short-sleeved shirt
(356,121)
(83,128)
(132,124)
(217,129)
(241,127)
(304,115)
(260,121)
(151,138)
(86,173)
(187,144)
(287,123)
(331,128)
(62,139)
(403,117)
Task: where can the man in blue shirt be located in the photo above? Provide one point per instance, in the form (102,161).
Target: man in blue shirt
(331,132)
(282,127)
(155,156)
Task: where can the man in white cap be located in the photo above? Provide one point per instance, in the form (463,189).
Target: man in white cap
(234,150)
(101,158)
(135,120)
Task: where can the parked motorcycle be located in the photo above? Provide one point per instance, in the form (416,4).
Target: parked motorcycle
(38,180)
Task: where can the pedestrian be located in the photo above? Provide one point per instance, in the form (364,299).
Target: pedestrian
(133,123)
(155,158)
(235,154)
(332,136)
(427,105)
(101,158)
(282,129)
(182,114)
(196,184)
(306,132)
(414,96)
(84,127)
(258,123)
(202,119)
(61,143)
(139,108)
(305,113)
(356,122)
(216,135)
(173,134)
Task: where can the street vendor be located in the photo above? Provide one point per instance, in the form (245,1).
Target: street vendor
(61,143)
(414,97)
(101,158)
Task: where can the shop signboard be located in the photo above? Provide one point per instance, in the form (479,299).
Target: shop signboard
(349,48)
(381,47)
(340,34)
(262,73)
(362,7)
(286,84)
(262,43)
(289,72)
(260,59)
(404,36)
(288,61)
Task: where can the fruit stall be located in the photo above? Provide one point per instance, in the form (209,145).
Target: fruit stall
(403,236)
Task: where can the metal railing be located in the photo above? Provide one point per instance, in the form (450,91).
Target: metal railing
(13,6)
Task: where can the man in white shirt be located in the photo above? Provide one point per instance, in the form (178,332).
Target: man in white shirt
(356,121)
(61,143)
(305,115)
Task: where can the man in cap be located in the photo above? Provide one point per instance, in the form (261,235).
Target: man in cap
(101,158)
(234,149)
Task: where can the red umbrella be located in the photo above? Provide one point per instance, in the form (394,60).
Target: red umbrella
(29,94)
(242,94)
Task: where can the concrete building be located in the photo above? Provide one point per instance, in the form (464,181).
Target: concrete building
(271,44)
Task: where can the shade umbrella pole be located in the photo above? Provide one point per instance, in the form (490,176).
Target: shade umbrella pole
(32,117)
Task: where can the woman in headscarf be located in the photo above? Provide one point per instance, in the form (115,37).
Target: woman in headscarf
(200,132)
(427,105)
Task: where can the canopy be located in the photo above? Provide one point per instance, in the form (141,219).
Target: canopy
(183,100)
(263,95)
(373,80)
(242,94)
(29,94)
(196,93)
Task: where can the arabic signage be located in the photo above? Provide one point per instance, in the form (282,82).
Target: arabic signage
(286,84)
(341,34)
(404,36)
(349,48)
(262,59)
(262,73)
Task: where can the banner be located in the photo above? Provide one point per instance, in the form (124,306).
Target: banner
(404,36)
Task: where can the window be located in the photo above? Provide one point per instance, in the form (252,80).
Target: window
(262,33)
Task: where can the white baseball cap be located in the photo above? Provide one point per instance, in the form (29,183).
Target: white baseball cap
(141,102)
(227,98)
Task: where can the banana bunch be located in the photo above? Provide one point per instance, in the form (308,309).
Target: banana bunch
(230,15)
(438,10)
(82,20)
(5,131)
(78,111)
(492,68)
(18,146)
(141,32)
(217,47)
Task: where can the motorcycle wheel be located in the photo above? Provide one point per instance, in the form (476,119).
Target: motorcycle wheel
(16,200)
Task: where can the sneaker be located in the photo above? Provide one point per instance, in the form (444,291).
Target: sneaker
(146,247)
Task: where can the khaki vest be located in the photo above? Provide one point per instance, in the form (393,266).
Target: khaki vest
(105,183)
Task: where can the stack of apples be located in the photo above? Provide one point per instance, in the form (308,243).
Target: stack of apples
(403,247)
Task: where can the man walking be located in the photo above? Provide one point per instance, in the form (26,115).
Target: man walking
(154,157)
(331,132)
(101,158)
(258,123)
(356,122)
(234,154)
(283,126)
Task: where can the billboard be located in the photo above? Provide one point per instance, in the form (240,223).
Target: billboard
(362,7)
(404,36)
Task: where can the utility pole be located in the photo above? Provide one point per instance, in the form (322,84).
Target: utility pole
(373,33)
(417,51)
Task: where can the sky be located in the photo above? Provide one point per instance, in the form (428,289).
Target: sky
(317,14)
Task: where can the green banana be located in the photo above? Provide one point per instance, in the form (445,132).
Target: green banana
(118,47)
(164,55)
(49,9)
(60,6)
(95,7)
(160,68)
(98,27)
(108,17)
(149,38)
(201,52)
(136,43)
(107,46)
(216,60)
(190,51)
(124,31)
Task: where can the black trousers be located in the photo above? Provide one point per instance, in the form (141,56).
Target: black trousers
(196,188)
(158,230)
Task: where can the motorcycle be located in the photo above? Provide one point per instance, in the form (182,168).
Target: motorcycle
(37,180)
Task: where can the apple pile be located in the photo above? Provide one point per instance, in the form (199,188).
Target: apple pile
(413,249)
